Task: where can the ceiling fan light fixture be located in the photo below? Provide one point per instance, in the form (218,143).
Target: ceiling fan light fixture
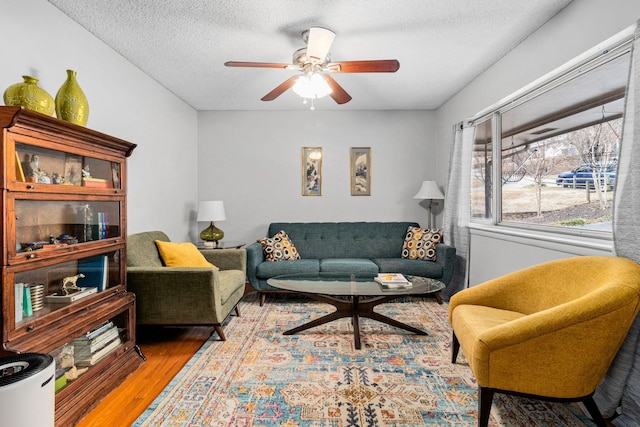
(313,86)
(314,61)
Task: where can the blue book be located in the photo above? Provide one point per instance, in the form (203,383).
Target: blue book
(96,272)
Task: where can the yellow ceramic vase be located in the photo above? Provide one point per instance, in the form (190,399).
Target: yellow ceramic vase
(71,102)
(30,95)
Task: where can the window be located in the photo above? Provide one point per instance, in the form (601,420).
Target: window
(556,151)
(481,171)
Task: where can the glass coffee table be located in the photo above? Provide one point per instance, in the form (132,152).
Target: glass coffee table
(353,296)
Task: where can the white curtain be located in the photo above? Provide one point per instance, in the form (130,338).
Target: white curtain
(621,386)
(456,206)
(626,228)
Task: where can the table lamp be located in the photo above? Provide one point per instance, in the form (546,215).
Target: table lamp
(211,211)
(429,191)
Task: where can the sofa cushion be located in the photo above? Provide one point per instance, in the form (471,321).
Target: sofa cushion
(416,267)
(279,248)
(348,266)
(420,243)
(181,255)
(266,270)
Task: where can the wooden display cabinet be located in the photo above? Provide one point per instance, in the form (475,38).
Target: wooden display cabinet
(64,223)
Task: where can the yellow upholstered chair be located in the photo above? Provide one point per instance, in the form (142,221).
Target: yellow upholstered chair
(549,331)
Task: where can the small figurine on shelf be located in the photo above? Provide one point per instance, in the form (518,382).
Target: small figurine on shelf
(33,166)
(86,171)
(57,179)
(69,240)
(69,285)
(35,173)
(75,372)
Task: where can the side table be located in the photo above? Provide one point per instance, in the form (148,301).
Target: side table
(222,244)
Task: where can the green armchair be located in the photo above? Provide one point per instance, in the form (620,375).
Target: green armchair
(184,295)
(549,331)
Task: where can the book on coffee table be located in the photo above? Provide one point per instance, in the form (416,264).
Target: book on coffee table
(392,280)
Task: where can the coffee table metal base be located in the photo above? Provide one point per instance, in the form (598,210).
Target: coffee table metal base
(354,309)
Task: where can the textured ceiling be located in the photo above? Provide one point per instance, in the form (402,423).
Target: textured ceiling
(442,45)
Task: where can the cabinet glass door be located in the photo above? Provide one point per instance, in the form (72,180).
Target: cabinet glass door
(93,347)
(50,224)
(40,165)
(40,291)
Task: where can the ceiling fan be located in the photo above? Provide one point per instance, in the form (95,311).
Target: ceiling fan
(315,63)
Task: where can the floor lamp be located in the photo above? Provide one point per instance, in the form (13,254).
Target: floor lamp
(429,191)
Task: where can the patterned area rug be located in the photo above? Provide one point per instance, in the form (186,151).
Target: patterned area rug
(261,378)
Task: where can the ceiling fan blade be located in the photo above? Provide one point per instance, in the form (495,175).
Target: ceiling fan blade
(319,43)
(374,66)
(280,89)
(337,92)
(256,64)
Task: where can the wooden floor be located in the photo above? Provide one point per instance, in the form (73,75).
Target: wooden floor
(167,351)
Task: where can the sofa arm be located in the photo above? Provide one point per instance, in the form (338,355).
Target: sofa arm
(446,257)
(227,259)
(174,295)
(255,256)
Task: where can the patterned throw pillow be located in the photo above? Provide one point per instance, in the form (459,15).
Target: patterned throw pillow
(420,243)
(279,248)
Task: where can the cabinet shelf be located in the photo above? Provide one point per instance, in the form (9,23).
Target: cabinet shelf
(64,227)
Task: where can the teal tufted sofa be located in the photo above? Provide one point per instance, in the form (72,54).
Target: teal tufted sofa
(346,247)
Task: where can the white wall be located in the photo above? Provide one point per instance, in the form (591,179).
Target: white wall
(576,29)
(41,41)
(174,141)
(252,161)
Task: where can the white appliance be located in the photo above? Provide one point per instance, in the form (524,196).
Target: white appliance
(27,390)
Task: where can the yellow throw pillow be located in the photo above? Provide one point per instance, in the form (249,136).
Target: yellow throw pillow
(181,255)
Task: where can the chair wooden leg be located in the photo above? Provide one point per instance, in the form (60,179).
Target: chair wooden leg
(596,416)
(237,311)
(455,348)
(485,398)
(218,329)
(438,297)
(263,298)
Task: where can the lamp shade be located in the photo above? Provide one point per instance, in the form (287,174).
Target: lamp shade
(429,190)
(312,86)
(211,211)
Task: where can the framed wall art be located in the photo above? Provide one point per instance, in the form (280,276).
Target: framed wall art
(360,171)
(312,171)
(73,169)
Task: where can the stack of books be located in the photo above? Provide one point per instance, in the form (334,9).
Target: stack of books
(90,348)
(392,280)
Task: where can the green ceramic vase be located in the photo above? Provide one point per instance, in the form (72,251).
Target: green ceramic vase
(71,102)
(30,95)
